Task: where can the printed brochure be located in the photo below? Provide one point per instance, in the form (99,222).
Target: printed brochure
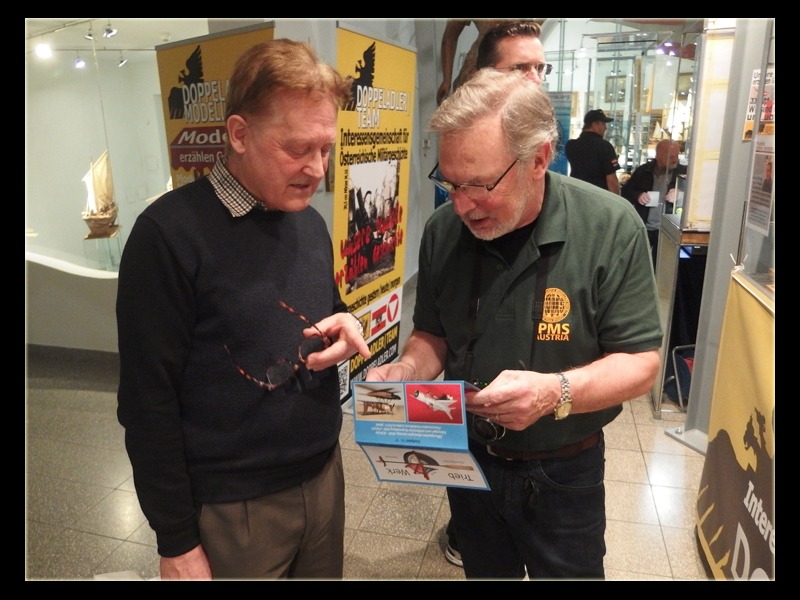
(416,432)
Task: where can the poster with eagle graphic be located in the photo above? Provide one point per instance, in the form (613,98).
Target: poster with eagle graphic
(370,188)
(194,78)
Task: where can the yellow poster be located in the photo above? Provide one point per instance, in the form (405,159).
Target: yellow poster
(194,77)
(736,500)
(370,183)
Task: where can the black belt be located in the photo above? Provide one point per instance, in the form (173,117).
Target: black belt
(563,452)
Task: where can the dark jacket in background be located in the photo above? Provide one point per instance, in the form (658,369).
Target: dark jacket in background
(642,180)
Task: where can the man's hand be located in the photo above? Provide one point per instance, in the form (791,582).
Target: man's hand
(192,565)
(343,330)
(396,371)
(442,92)
(516,399)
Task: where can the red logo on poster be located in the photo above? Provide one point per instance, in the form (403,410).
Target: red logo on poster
(197,148)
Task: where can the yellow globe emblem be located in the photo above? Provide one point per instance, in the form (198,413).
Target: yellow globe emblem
(556,306)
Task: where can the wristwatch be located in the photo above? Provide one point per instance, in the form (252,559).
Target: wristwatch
(564,406)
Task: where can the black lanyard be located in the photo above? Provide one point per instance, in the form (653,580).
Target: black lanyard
(536,317)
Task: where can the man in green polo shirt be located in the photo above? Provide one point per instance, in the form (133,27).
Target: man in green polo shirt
(546,298)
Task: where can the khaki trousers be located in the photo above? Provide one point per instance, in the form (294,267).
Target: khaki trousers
(294,533)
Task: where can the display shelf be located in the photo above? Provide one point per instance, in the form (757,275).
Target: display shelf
(103,252)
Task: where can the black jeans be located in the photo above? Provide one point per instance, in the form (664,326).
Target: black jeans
(546,517)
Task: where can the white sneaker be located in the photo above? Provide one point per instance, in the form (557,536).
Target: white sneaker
(453,556)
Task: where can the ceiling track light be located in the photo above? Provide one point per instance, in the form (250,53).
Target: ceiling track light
(582,50)
(109,31)
(79,62)
(89,34)
(122,61)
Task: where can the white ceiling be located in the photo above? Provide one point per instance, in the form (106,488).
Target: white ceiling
(137,38)
(133,34)
(146,34)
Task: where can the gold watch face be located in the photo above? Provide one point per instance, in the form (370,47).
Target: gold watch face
(563,410)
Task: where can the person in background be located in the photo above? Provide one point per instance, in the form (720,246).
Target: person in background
(592,158)
(452,31)
(508,46)
(657,175)
(514,46)
(538,288)
(230,331)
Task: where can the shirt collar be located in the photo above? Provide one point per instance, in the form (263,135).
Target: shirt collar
(231,193)
(552,220)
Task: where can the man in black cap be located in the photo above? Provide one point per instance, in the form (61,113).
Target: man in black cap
(591,158)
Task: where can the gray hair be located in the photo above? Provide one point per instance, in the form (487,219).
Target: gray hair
(527,115)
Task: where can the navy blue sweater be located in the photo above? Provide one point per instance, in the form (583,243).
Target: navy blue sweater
(193,279)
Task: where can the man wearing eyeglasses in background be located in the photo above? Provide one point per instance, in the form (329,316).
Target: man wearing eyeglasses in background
(502,44)
(591,157)
(537,287)
(230,329)
(515,46)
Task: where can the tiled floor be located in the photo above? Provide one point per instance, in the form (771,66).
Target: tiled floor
(83,518)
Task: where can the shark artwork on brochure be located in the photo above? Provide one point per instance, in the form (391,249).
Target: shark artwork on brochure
(416,432)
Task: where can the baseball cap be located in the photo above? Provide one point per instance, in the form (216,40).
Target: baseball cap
(596,115)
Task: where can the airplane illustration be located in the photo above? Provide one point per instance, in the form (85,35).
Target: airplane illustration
(385,393)
(383,403)
(442,402)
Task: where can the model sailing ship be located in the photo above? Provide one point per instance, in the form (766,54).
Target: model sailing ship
(101,209)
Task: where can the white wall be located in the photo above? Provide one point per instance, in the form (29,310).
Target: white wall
(69,306)
(72,116)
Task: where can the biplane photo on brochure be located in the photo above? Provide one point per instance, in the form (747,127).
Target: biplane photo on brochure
(416,432)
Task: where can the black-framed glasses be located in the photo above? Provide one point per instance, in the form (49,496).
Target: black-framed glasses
(474,191)
(284,370)
(542,69)
(488,431)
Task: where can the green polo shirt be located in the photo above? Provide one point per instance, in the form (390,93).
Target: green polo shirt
(601,297)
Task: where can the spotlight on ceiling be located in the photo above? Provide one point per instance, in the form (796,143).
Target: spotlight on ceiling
(79,62)
(122,61)
(582,50)
(109,31)
(89,34)
(44,50)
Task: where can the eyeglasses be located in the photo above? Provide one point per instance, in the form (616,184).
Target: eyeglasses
(474,191)
(488,431)
(542,69)
(285,370)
